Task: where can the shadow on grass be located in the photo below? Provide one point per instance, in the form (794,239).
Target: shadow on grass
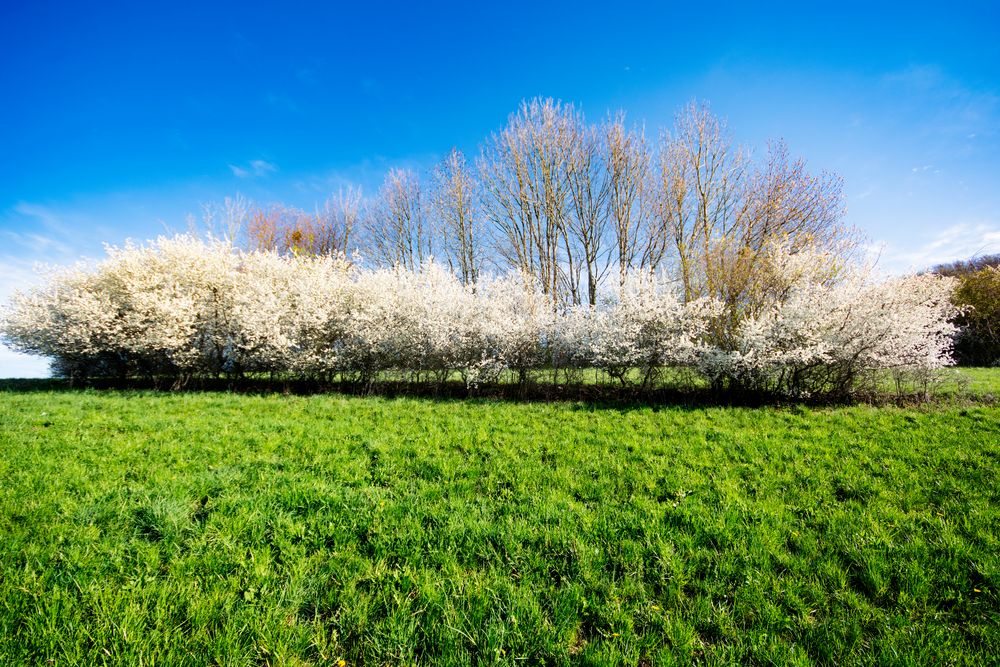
(582,396)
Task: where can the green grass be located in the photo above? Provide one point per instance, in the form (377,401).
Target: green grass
(974,381)
(192,529)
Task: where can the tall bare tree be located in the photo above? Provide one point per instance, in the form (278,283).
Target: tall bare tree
(342,215)
(564,202)
(264,229)
(627,162)
(782,203)
(526,196)
(228,221)
(718,212)
(455,198)
(701,180)
(395,224)
(589,187)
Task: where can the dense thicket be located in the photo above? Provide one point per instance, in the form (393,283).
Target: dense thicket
(977,296)
(964,267)
(184,307)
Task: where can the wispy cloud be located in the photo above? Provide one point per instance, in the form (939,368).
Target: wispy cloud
(959,241)
(33,233)
(255,169)
(41,213)
(960,111)
(35,243)
(261,167)
(18,274)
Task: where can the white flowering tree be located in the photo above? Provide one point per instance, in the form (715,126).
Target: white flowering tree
(184,307)
(824,327)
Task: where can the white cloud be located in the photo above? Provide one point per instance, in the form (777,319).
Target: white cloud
(38,244)
(261,167)
(18,274)
(32,235)
(256,168)
(41,213)
(959,241)
(35,235)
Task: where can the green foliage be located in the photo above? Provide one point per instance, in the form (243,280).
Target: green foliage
(978,344)
(193,529)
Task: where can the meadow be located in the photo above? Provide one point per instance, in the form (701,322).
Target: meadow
(193,528)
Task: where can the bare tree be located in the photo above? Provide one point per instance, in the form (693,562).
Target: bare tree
(563,202)
(701,180)
(525,194)
(627,162)
(782,203)
(671,227)
(718,213)
(264,229)
(287,229)
(454,198)
(341,215)
(785,199)
(589,187)
(228,221)
(395,224)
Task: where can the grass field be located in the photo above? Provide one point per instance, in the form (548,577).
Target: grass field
(190,529)
(973,381)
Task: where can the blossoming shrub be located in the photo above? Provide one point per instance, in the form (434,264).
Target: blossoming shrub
(825,331)
(645,330)
(184,307)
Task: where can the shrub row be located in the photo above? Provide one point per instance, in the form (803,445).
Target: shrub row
(184,307)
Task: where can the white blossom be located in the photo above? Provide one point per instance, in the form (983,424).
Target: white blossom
(184,306)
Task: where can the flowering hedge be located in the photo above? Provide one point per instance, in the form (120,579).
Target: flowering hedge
(184,307)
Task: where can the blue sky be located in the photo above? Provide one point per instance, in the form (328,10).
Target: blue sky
(120,121)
